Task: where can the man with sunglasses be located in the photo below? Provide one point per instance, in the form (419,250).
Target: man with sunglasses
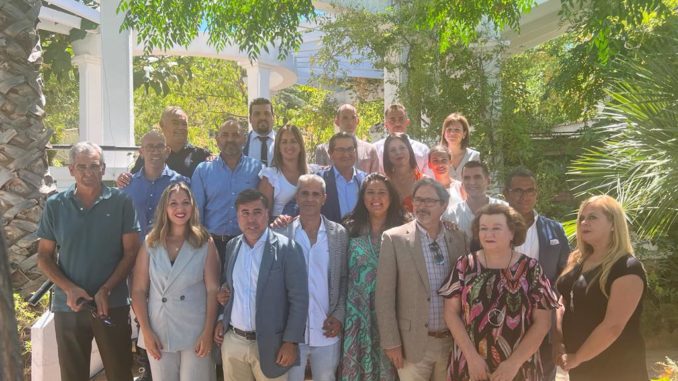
(545,241)
(95,231)
(414,261)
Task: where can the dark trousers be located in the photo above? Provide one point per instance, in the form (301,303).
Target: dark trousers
(220,242)
(74,333)
(547,364)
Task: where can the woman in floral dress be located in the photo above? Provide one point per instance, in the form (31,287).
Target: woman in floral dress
(378,209)
(498,304)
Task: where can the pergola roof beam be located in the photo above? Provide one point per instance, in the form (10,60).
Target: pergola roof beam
(49,15)
(78,9)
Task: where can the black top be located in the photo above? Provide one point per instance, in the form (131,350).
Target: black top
(585,309)
(183,161)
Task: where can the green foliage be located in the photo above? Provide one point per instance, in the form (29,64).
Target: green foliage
(26,315)
(215,90)
(313,111)
(637,158)
(660,309)
(156,73)
(251,25)
(601,32)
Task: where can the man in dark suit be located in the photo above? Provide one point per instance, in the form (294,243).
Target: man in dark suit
(545,241)
(342,179)
(265,274)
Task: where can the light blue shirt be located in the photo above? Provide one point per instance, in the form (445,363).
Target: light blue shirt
(215,187)
(146,194)
(245,278)
(347,191)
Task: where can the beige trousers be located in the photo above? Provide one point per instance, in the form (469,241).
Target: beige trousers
(433,367)
(240,358)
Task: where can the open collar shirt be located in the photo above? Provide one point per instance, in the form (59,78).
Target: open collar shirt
(437,272)
(215,187)
(317,267)
(347,191)
(245,278)
(531,245)
(145,195)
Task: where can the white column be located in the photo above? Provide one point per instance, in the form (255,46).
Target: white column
(88,60)
(258,81)
(118,111)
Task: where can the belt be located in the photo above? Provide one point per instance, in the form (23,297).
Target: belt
(440,334)
(221,237)
(249,335)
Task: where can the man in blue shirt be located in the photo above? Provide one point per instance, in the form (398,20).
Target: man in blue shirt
(89,236)
(148,184)
(342,179)
(216,184)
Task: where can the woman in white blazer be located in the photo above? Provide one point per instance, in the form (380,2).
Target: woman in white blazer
(176,279)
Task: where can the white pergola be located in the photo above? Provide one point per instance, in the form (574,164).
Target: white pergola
(104,61)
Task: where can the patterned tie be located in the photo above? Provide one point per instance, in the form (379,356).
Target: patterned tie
(264,150)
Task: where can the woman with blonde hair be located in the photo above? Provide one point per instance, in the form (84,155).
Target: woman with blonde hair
(176,279)
(455,135)
(598,324)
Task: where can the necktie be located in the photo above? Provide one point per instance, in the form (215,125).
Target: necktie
(264,149)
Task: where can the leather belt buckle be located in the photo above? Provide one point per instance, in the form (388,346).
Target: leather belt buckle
(249,335)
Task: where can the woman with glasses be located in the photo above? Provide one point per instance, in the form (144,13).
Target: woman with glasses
(455,135)
(377,210)
(400,166)
(498,304)
(176,278)
(598,334)
(279,181)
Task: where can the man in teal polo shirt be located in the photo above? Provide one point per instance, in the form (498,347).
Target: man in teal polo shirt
(89,236)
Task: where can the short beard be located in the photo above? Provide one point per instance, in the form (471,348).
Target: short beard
(262,128)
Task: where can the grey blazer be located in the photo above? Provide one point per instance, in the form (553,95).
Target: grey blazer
(282,297)
(337,239)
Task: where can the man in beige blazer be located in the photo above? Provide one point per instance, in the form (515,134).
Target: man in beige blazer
(347,120)
(414,261)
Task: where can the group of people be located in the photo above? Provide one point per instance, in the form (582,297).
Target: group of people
(379,261)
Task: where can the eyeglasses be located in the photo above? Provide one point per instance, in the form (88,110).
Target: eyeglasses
(425,201)
(518,192)
(92,308)
(438,257)
(344,149)
(84,168)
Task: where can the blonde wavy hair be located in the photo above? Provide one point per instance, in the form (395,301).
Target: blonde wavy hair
(620,240)
(196,234)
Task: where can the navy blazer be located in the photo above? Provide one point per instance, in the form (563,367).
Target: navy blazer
(282,298)
(554,249)
(331,208)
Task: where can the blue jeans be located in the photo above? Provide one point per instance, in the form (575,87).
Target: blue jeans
(324,362)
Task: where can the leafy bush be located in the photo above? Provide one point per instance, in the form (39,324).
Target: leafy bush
(26,315)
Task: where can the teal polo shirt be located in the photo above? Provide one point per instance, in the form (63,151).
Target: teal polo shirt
(89,241)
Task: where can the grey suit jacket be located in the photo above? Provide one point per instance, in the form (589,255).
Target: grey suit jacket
(282,297)
(337,239)
(367,159)
(403,289)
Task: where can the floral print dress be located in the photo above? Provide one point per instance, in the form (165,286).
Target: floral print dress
(496,309)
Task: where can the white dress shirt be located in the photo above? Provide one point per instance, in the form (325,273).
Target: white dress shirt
(461,214)
(318,268)
(531,245)
(245,277)
(255,146)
